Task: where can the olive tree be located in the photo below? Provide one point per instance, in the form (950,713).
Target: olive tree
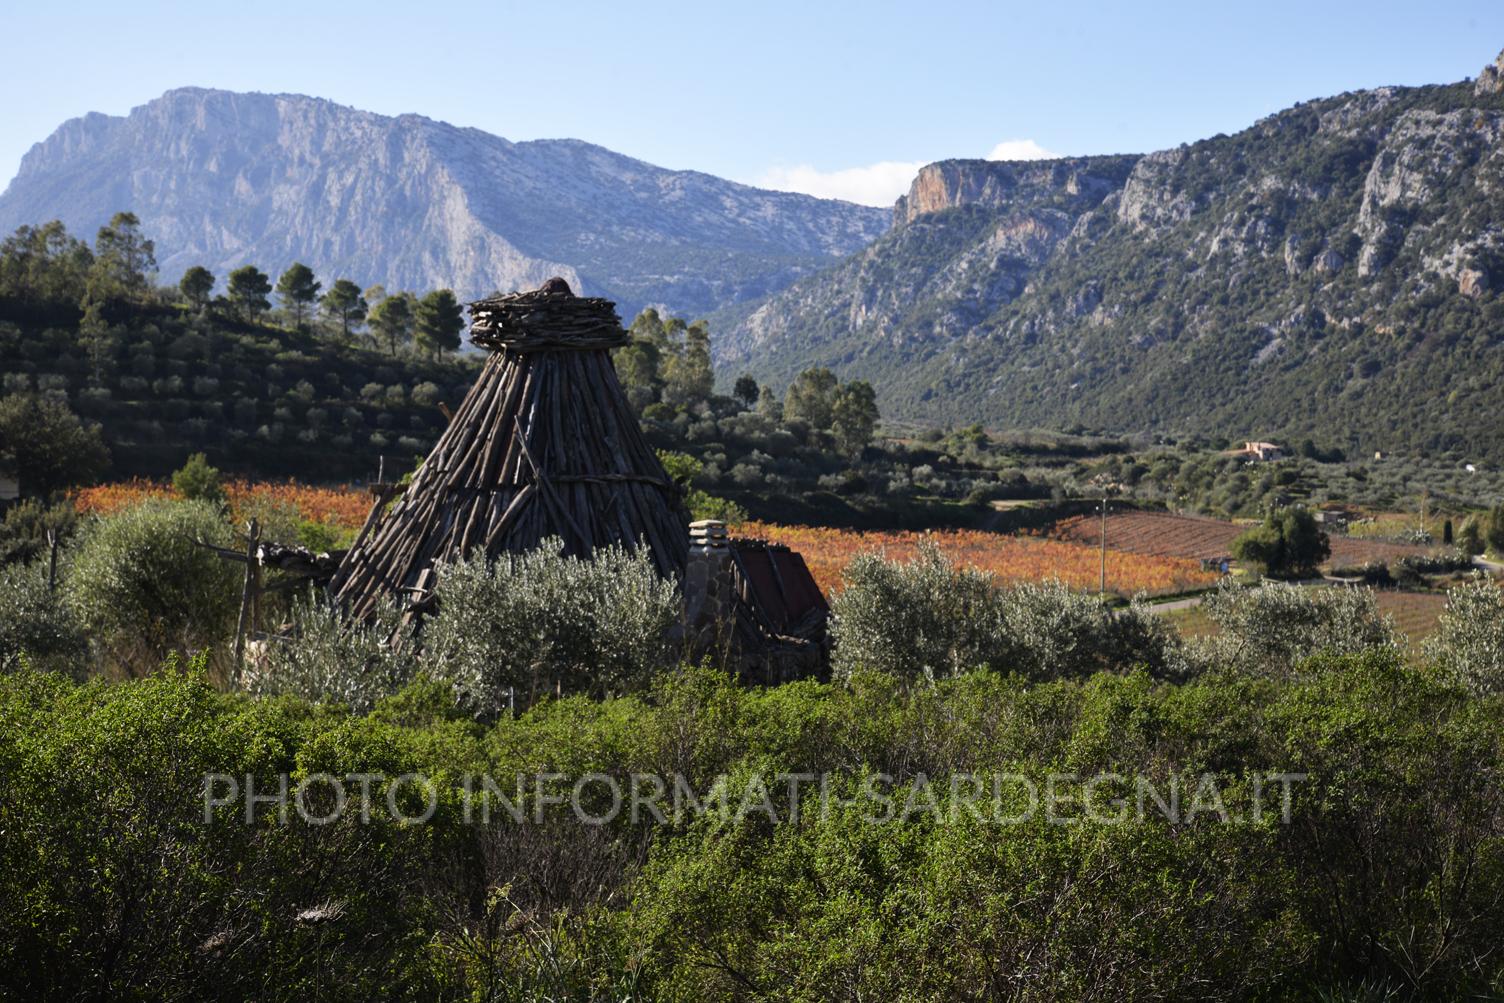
(1469,642)
(930,619)
(141,584)
(1272,629)
(329,657)
(539,622)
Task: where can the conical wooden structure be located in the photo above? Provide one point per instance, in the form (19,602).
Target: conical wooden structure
(545,444)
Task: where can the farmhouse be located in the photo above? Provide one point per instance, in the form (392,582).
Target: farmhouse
(1259,452)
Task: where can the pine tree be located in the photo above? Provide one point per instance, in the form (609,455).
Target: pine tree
(392,320)
(811,397)
(248,288)
(298,289)
(124,260)
(196,284)
(344,303)
(691,376)
(440,321)
(854,416)
(746,390)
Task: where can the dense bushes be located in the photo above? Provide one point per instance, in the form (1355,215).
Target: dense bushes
(982,811)
(325,657)
(529,624)
(1390,871)
(117,887)
(928,619)
(36,623)
(1469,641)
(142,586)
(1272,629)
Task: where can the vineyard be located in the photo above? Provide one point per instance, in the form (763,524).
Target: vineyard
(1010,558)
(343,507)
(827,551)
(1164,535)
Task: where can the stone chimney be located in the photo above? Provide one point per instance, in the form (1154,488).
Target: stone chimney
(709,586)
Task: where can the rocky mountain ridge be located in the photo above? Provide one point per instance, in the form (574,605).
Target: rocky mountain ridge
(1331,271)
(221,179)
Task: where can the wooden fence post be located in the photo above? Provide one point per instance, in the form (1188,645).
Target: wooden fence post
(247,595)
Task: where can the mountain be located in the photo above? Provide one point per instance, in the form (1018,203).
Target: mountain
(222,179)
(1334,271)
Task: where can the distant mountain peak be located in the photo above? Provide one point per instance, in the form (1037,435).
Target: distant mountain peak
(222,178)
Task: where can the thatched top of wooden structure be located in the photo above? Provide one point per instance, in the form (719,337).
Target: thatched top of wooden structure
(544,445)
(550,318)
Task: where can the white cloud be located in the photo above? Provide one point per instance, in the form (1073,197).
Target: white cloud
(877,184)
(1020,149)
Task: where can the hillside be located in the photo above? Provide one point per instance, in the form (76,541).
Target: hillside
(1332,271)
(221,179)
(259,400)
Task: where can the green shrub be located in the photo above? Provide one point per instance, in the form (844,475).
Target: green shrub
(1272,629)
(328,658)
(35,623)
(683,469)
(928,619)
(117,887)
(1389,874)
(1051,631)
(921,619)
(1468,645)
(538,622)
(198,481)
(142,586)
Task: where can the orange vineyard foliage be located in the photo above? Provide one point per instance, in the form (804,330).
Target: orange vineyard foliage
(826,551)
(1010,558)
(345,507)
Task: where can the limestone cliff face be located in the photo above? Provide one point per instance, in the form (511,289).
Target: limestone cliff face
(1072,183)
(1336,261)
(222,179)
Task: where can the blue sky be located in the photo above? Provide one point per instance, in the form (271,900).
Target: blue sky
(830,97)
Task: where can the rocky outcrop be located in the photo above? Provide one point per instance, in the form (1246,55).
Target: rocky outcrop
(1423,158)
(1491,79)
(222,179)
(1148,203)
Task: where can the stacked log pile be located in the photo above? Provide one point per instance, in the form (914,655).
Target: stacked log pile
(545,444)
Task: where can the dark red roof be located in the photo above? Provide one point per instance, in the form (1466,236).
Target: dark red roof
(781,587)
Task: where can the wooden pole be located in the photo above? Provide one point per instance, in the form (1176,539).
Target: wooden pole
(52,560)
(1102,587)
(246,593)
